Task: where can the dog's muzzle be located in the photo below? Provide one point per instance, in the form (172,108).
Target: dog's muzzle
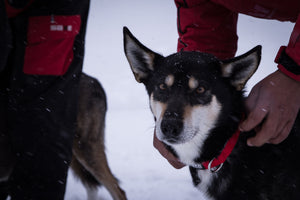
(171,129)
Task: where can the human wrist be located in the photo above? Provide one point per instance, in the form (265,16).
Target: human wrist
(287,65)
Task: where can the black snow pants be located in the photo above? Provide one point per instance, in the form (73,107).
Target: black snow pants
(38,94)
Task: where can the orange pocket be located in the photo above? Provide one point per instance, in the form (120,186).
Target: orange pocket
(50,41)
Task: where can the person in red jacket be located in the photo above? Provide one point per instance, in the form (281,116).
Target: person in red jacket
(273,103)
(42,50)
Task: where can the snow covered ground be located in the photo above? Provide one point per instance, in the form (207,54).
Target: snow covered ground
(143,173)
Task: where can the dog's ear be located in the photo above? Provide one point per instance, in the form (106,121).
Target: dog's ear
(241,68)
(140,58)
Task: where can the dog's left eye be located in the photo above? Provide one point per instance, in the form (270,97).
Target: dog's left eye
(200,90)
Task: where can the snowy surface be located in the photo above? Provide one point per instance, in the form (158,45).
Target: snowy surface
(143,173)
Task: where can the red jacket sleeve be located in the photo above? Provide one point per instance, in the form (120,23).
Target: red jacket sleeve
(207,27)
(290,64)
(16,7)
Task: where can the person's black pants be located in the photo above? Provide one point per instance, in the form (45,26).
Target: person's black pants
(40,90)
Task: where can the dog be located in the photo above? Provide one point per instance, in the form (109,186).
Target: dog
(89,162)
(197,102)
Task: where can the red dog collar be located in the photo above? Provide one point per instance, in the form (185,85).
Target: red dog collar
(216,163)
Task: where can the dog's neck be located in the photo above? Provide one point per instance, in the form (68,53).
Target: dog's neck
(216,163)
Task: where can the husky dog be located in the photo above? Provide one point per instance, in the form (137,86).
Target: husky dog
(197,102)
(89,161)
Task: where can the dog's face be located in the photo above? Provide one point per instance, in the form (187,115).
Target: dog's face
(189,91)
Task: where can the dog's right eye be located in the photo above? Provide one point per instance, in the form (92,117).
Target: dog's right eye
(162,86)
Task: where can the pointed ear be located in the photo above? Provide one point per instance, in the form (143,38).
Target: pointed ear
(140,58)
(241,68)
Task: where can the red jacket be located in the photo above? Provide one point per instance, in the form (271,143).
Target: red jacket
(210,26)
(50,39)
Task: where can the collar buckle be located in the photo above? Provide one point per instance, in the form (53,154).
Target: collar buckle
(214,169)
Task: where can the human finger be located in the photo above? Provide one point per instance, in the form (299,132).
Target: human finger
(162,149)
(176,164)
(254,118)
(283,134)
(159,145)
(267,131)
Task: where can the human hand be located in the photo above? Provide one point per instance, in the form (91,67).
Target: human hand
(273,105)
(159,145)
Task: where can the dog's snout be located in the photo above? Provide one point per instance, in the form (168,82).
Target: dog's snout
(171,125)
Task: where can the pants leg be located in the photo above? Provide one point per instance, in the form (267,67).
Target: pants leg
(42,111)
(6,155)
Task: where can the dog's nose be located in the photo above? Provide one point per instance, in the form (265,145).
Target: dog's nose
(171,125)
(171,128)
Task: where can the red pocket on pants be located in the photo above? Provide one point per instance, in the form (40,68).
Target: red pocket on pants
(50,41)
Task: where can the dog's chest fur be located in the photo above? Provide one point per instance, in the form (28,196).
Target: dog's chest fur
(205,177)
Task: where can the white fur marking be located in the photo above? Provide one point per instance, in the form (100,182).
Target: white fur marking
(197,125)
(158,110)
(206,179)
